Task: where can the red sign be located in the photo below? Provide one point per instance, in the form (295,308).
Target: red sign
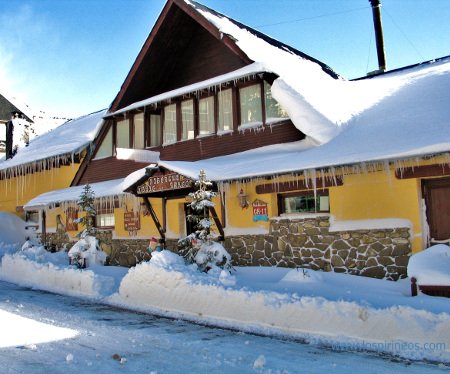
(164,182)
(260,212)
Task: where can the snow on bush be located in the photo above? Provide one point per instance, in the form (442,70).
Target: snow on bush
(87,251)
(431,266)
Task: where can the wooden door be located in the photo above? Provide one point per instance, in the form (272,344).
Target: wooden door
(437,198)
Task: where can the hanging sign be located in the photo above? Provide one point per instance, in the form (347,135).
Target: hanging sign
(132,222)
(164,182)
(260,212)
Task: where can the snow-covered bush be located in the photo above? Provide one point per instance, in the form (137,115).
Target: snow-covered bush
(199,246)
(87,252)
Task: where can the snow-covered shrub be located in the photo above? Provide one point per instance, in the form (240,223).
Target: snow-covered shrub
(87,252)
(199,246)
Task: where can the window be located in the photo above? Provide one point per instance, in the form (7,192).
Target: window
(273,110)
(139,139)
(105,220)
(225,110)
(304,202)
(187,118)
(250,104)
(105,149)
(170,124)
(123,134)
(206,115)
(155,130)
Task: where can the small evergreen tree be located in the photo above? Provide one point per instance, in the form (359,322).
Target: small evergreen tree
(86,204)
(199,247)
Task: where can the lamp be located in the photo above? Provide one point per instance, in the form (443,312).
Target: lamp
(242,199)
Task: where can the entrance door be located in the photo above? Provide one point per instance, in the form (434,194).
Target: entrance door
(437,198)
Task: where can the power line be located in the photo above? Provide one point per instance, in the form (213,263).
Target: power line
(309,18)
(404,34)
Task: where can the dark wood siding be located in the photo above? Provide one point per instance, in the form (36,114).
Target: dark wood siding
(219,145)
(181,53)
(108,169)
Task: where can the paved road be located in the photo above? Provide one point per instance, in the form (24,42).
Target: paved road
(148,344)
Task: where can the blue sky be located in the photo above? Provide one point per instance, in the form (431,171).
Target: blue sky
(70,57)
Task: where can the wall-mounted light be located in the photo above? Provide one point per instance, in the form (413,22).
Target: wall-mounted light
(242,199)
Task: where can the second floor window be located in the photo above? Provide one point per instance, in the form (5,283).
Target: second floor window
(155,130)
(170,124)
(123,134)
(139,139)
(187,118)
(225,110)
(206,115)
(250,104)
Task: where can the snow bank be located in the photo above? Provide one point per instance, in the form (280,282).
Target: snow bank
(36,270)
(13,229)
(431,266)
(336,310)
(13,233)
(163,286)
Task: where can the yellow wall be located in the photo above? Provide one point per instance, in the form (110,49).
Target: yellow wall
(19,190)
(378,196)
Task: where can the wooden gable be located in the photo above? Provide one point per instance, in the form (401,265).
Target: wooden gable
(183,48)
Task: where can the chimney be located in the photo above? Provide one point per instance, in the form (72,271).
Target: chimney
(9,138)
(376,12)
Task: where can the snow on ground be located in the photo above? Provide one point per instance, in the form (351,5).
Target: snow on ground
(20,331)
(323,308)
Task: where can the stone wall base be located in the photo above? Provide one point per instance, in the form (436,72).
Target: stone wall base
(305,243)
(308,243)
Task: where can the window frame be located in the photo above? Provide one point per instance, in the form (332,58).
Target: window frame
(303,193)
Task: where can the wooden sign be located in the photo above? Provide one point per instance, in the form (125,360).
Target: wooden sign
(132,222)
(260,212)
(164,182)
(71,219)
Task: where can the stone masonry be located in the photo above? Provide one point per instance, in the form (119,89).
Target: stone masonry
(308,243)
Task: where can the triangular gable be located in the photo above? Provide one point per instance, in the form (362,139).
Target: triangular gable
(182,48)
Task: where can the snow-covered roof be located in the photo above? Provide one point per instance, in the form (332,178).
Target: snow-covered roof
(411,120)
(64,141)
(108,189)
